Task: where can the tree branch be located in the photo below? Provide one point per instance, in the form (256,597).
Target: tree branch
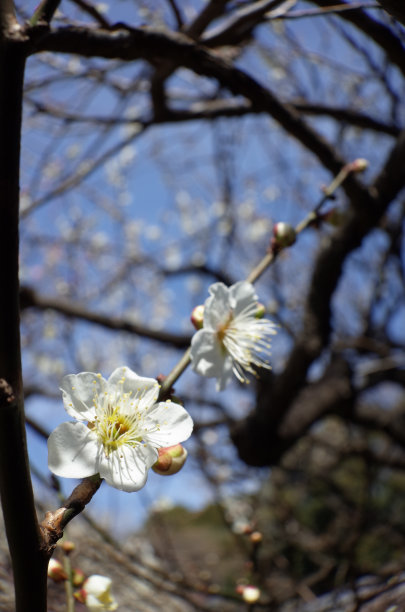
(157,47)
(30,299)
(257,437)
(29,564)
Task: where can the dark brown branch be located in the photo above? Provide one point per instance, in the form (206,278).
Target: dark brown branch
(241,25)
(29,564)
(93,12)
(213,109)
(396,8)
(155,47)
(347,115)
(45,12)
(30,299)
(257,438)
(381,34)
(55,522)
(211,11)
(176,13)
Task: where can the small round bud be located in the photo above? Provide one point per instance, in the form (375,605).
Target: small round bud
(171,460)
(197,316)
(56,571)
(251,594)
(261,311)
(256,537)
(67,546)
(78,577)
(284,234)
(359,165)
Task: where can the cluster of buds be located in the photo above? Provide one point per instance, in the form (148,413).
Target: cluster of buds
(94,592)
(171,460)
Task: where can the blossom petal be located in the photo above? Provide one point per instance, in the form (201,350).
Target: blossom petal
(98,593)
(242,295)
(225,375)
(127,468)
(129,382)
(216,308)
(78,392)
(207,356)
(174,423)
(73,451)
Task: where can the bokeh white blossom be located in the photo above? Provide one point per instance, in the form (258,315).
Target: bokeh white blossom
(96,594)
(233,340)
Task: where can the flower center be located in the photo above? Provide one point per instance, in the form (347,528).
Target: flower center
(119,421)
(222,330)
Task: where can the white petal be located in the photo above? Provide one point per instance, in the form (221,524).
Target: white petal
(126,381)
(73,451)
(97,585)
(216,308)
(78,392)
(225,375)
(175,424)
(242,294)
(207,355)
(127,468)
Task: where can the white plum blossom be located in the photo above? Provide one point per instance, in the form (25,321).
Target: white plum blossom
(96,593)
(118,430)
(233,339)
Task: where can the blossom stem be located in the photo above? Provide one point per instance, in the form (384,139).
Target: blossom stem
(261,267)
(55,522)
(174,375)
(337,181)
(70,602)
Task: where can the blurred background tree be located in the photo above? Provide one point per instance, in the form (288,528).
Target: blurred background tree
(162,143)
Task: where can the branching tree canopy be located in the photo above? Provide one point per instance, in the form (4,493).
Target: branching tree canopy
(148,150)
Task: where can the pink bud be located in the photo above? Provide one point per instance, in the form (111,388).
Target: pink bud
(56,571)
(171,460)
(197,316)
(78,577)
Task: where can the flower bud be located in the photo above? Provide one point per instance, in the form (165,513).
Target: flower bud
(78,577)
(359,165)
(251,594)
(197,316)
(261,311)
(284,234)
(67,546)
(256,537)
(171,460)
(56,571)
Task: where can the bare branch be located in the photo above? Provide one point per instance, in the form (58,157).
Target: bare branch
(30,298)
(132,43)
